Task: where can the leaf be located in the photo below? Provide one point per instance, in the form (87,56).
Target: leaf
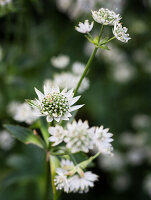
(24,135)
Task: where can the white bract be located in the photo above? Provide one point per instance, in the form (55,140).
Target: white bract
(84,27)
(60,61)
(121,33)
(79,137)
(68,182)
(55,104)
(22,112)
(57,134)
(102,140)
(105,16)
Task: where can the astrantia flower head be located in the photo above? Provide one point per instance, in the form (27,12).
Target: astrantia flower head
(76,182)
(105,16)
(57,134)
(102,140)
(79,137)
(82,184)
(121,32)
(55,104)
(84,27)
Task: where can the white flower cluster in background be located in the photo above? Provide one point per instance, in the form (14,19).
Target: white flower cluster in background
(70,80)
(77,181)
(6,141)
(147,185)
(60,61)
(75,8)
(22,112)
(4,2)
(78,136)
(55,104)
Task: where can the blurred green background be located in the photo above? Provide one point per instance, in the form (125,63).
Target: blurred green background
(119,95)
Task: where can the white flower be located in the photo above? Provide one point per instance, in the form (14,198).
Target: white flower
(57,134)
(73,183)
(22,112)
(54,104)
(78,68)
(60,61)
(4,2)
(82,184)
(69,81)
(61,181)
(102,140)
(84,27)
(79,137)
(112,163)
(121,32)
(105,16)
(6,141)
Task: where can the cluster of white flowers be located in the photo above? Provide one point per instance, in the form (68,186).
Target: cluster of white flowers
(61,61)
(79,137)
(4,2)
(75,8)
(6,141)
(121,32)
(55,104)
(22,112)
(106,17)
(84,27)
(70,80)
(73,182)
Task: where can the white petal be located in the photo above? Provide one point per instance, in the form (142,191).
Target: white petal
(49,119)
(75,107)
(39,94)
(74,100)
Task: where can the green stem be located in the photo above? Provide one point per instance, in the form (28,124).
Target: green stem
(48,178)
(54,192)
(109,40)
(88,63)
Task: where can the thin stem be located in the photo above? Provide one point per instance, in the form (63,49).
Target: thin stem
(48,178)
(88,63)
(109,40)
(54,192)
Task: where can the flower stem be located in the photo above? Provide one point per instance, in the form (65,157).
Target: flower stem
(88,63)
(48,178)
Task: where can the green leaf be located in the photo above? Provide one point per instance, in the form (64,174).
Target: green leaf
(24,135)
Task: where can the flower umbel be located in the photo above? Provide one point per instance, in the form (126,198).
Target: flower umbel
(79,137)
(79,182)
(105,16)
(102,140)
(54,104)
(84,27)
(121,32)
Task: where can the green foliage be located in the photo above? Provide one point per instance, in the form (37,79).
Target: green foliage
(25,135)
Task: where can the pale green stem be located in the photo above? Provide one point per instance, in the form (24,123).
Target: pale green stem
(88,63)
(48,178)
(109,40)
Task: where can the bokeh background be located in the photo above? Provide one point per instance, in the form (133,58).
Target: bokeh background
(117,93)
